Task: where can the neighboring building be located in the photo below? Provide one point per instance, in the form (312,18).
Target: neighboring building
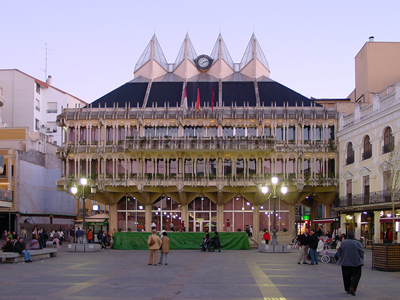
(28,193)
(367,137)
(33,103)
(195,140)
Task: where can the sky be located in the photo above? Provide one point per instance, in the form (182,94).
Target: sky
(93,46)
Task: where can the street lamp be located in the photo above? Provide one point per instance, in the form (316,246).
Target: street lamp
(274,194)
(74,190)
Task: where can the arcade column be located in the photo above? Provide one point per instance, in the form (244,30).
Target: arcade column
(377,227)
(113,218)
(357,225)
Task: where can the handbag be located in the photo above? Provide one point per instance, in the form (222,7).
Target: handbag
(152,242)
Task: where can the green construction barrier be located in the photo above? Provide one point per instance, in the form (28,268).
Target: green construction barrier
(181,240)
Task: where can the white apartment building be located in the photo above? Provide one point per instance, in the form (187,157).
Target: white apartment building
(33,103)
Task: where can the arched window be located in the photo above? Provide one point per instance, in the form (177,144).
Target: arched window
(367,148)
(350,154)
(388,140)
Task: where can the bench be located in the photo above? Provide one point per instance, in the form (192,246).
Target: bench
(331,253)
(35,254)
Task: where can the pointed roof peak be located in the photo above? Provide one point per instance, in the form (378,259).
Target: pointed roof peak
(187,51)
(152,51)
(220,51)
(253,51)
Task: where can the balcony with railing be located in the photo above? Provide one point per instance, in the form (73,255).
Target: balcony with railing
(349,160)
(368,199)
(197,143)
(387,148)
(367,154)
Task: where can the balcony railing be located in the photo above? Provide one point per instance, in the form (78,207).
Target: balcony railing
(193,143)
(370,198)
(349,160)
(367,154)
(387,148)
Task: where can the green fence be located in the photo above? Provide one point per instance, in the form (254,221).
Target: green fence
(181,240)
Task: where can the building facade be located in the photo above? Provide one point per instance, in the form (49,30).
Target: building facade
(34,103)
(28,133)
(368,142)
(195,140)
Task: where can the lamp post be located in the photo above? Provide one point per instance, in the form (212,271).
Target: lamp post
(74,190)
(274,194)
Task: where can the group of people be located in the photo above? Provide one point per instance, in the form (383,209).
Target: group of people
(349,255)
(103,238)
(210,243)
(17,243)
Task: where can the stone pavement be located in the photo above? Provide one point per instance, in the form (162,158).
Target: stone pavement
(190,274)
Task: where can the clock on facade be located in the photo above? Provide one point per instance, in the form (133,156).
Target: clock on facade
(203,62)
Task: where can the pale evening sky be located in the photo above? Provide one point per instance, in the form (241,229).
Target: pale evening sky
(310,45)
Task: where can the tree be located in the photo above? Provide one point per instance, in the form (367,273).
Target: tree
(391,176)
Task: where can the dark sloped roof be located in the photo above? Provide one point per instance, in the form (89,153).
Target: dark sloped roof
(131,92)
(165,92)
(271,92)
(238,93)
(205,92)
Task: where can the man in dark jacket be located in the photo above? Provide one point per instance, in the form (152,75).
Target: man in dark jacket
(303,247)
(351,256)
(20,247)
(313,244)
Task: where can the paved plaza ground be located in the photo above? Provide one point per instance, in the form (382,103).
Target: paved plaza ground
(190,274)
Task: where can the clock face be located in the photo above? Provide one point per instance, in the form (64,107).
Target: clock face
(203,62)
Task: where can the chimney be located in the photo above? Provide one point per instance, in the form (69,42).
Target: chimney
(49,80)
(371,38)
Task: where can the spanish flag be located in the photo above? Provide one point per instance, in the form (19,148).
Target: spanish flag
(198,100)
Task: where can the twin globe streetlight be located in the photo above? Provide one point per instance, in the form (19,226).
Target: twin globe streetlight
(274,194)
(74,190)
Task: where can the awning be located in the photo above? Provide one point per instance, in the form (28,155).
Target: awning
(389,220)
(325,221)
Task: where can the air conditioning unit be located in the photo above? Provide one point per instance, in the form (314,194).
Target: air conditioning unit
(48,130)
(55,130)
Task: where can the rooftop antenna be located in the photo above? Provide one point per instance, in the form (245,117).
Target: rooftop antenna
(45,62)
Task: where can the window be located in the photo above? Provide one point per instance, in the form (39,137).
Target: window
(51,107)
(239,166)
(252,166)
(366,189)
(227,166)
(37,124)
(349,191)
(331,132)
(251,131)
(188,131)
(307,133)
(318,133)
(240,131)
(349,154)
(213,166)
(37,104)
(267,166)
(279,134)
(388,141)
(227,131)
(200,167)
(38,88)
(367,148)
(292,133)
(212,131)
(267,131)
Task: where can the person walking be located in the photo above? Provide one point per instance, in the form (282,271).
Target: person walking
(266,236)
(313,244)
(351,259)
(164,248)
(303,247)
(154,243)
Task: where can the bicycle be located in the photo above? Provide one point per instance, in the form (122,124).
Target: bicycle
(325,258)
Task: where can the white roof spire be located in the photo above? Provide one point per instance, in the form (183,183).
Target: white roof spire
(253,51)
(154,52)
